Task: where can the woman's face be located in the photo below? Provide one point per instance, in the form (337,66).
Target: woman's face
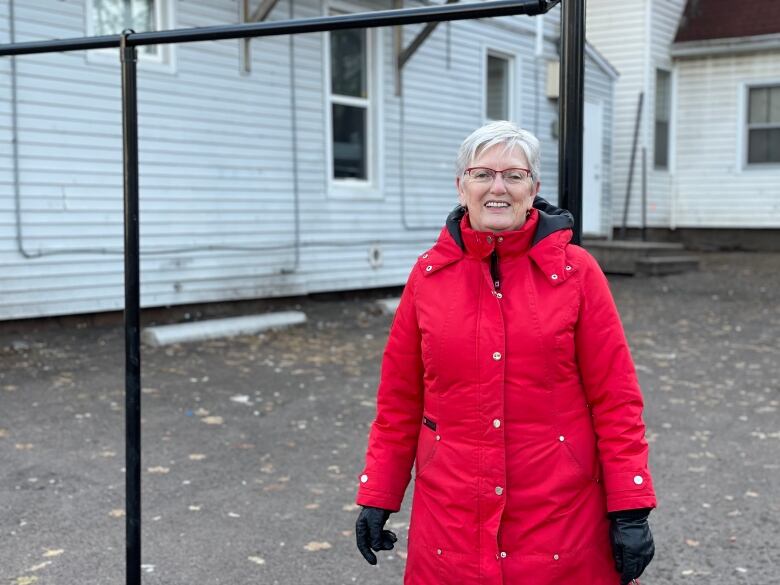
(497,206)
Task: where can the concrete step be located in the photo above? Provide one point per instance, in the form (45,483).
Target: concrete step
(662,265)
(621,256)
(215,328)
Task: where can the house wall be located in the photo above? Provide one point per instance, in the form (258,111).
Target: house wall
(635,35)
(218,154)
(665,17)
(715,188)
(617,30)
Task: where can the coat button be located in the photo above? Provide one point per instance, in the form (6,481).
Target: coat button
(503,554)
(499,490)
(568,267)
(561,438)
(489,239)
(556,557)
(363,478)
(496,422)
(428,268)
(438,551)
(425,255)
(499,295)
(438,437)
(497,356)
(638,479)
(554,277)
(500,239)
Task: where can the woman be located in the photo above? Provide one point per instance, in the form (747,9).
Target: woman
(508,380)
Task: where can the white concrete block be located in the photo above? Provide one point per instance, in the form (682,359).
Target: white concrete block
(389,306)
(214,328)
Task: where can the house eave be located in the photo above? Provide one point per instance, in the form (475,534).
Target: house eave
(728,46)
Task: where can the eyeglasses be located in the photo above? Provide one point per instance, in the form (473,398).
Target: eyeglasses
(486,175)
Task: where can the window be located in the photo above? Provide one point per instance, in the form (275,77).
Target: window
(110,17)
(350,104)
(663,107)
(763,125)
(497,98)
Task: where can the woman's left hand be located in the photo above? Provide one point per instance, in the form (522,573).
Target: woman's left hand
(632,543)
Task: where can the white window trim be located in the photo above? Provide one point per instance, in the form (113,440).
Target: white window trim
(163,61)
(742,127)
(504,52)
(347,188)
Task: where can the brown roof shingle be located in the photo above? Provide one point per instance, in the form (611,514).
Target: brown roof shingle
(721,19)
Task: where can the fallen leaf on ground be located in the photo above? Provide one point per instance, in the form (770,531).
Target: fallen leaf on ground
(53,552)
(158,469)
(39,566)
(315,546)
(117,513)
(257,560)
(197,456)
(212,420)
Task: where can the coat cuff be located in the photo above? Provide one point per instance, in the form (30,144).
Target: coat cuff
(628,490)
(376,498)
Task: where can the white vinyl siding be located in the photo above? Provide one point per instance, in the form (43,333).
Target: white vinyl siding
(218,155)
(636,38)
(715,187)
(618,31)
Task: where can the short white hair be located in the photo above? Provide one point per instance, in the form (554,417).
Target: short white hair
(499,132)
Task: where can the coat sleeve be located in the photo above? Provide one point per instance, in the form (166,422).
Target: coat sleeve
(392,442)
(613,393)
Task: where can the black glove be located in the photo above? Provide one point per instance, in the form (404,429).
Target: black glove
(370,532)
(632,543)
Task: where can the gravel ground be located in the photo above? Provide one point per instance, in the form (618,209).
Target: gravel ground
(252,445)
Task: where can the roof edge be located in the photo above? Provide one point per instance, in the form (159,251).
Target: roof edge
(601,61)
(727,46)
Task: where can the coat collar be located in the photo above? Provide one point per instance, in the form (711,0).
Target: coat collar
(505,244)
(548,247)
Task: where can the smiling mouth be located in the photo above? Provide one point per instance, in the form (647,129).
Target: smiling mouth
(496,204)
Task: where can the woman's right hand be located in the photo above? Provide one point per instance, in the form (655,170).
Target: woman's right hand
(371,534)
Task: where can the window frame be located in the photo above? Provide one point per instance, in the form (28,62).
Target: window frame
(372,187)
(745,127)
(669,118)
(495,49)
(163,60)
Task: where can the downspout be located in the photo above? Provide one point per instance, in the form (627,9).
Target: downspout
(294,131)
(15,143)
(649,97)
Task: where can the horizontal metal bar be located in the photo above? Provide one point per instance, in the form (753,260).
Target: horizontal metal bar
(287,27)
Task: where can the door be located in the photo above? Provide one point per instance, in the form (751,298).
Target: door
(593,148)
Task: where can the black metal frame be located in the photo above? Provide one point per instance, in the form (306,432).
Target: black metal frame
(569,164)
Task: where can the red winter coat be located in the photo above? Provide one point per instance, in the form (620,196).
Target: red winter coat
(520,406)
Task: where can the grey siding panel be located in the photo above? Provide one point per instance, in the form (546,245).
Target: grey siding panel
(216,161)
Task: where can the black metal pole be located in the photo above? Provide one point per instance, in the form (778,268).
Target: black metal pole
(128,58)
(460,11)
(570,111)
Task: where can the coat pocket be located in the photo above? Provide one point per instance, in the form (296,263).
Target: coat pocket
(579,440)
(427,443)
